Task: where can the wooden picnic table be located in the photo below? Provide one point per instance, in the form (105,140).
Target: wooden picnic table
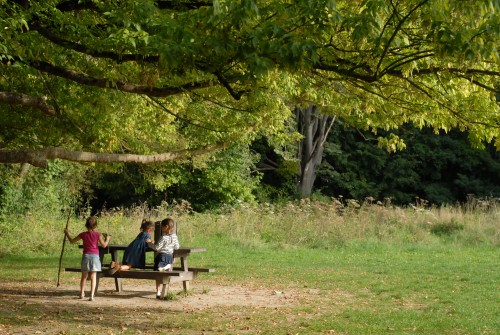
(113,249)
(181,273)
(181,253)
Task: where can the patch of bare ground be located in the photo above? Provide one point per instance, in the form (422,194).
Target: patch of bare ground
(43,308)
(39,308)
(142,294)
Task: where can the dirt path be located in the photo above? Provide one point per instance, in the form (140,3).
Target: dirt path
(141,294)
(40,308)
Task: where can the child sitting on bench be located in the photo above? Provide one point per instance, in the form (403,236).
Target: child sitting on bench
(165,247)
(135,254)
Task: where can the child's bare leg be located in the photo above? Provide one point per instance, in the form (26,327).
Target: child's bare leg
(125,267)
(93,276)
(158,289)
(83,280)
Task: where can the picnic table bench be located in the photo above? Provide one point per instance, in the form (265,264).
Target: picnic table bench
(182,273)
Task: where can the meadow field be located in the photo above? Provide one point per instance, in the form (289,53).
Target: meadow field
(299,268)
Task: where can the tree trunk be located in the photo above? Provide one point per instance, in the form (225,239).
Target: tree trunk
(314,128)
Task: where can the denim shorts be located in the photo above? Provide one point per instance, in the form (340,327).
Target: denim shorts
(91,263)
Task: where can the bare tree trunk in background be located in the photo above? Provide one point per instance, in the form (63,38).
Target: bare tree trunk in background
(315,129)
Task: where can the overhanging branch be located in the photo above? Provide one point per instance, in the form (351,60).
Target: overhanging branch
(40,157)
(77,5)
(84,79)
(40,103)
(48,34)
(397,72)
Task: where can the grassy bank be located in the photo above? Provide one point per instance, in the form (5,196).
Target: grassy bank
(296,224)
(368,270)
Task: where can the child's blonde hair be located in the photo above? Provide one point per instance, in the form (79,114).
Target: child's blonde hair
(170,223)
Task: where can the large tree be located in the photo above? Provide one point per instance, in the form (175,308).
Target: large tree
(149,81)
(314,129)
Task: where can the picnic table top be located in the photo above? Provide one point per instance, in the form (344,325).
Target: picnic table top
(183,250)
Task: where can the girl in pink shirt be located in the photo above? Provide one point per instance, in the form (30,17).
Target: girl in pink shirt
(91,262)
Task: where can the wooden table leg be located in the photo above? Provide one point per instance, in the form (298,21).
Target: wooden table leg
(185,285)
(184,267)
(118,281)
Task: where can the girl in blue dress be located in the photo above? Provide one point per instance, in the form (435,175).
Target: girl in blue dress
(135,254)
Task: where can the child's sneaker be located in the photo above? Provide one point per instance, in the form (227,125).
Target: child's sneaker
(165,268)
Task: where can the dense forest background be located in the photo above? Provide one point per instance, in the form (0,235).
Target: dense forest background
(434,169)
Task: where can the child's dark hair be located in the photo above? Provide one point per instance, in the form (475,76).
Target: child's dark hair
(170,223)
(91,222)
(146,224)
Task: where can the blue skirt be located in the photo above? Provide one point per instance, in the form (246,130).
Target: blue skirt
(162,260)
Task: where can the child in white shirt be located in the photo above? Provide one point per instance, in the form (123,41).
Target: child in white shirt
(165,249)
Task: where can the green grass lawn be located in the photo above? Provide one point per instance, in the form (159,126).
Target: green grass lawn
(379,289)
(367,288)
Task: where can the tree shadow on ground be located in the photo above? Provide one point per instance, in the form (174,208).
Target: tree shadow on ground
(29,310)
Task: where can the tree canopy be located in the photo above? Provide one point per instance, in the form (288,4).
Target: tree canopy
(151,81)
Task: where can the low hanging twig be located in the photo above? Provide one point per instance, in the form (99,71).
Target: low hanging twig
(62,250)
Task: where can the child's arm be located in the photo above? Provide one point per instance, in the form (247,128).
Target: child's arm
(156,246)
(104,242)
(176,241)
(151,245)
(72,240)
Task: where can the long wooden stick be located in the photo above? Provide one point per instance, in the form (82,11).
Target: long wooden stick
(62,250)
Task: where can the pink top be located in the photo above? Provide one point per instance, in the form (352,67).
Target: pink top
(90,241)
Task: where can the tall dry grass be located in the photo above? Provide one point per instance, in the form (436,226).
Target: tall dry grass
(313,224)
(332,225)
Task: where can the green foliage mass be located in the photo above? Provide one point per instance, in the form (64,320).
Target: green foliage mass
(437,168)
(154,77)
(226,178)
(51,190)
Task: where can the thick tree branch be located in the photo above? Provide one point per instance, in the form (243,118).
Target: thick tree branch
(76,5)
(117,85)
(460,73)
(405,60)
(118,58)
(40,157)
(478,83)
(175,4)
(345,72)
(225,83)
(40,103)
